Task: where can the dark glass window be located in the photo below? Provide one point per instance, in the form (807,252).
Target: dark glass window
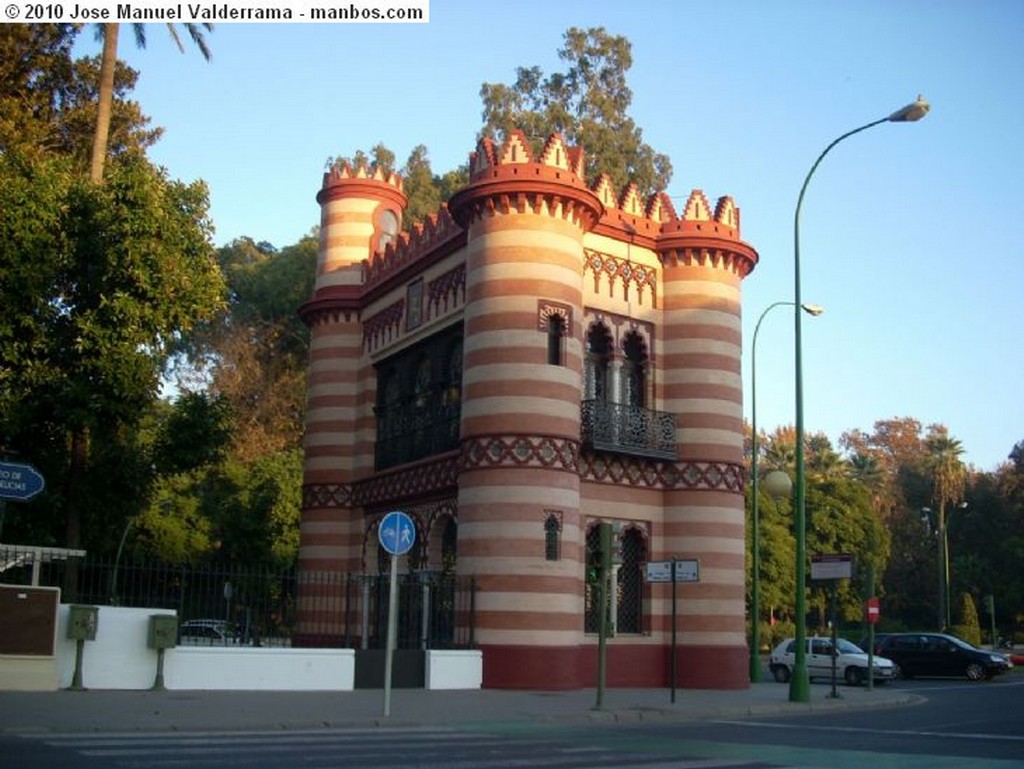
(552,531)
(596,363)
(634,371)
(419,400)
(556,335)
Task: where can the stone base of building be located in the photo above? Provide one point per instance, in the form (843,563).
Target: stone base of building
(632,666)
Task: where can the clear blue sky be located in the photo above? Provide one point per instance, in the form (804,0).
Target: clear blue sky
(910,232)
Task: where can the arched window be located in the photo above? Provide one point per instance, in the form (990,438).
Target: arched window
(552,537)
(556,335)
(630,583)
(634,370)
(596,363)
(387,226)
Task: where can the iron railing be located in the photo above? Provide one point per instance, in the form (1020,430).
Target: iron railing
(628,429)
(228,604)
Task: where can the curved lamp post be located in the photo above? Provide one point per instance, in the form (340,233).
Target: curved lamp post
(755,597)
(799,685)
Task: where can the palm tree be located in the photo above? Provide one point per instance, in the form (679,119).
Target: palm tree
(948,480)
(79,448)
(108,64)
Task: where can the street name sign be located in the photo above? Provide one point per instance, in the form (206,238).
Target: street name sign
(19,482)
(687,570)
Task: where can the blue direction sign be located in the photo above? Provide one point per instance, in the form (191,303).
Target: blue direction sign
(397,533)
(20,482)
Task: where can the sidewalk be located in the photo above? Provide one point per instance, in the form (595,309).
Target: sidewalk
(130,711)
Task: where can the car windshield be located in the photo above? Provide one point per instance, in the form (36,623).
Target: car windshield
(959,642)
(846,647)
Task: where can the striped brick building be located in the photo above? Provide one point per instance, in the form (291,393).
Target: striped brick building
(541,356)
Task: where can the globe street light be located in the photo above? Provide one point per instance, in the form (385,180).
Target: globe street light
(755,597)
(799,685)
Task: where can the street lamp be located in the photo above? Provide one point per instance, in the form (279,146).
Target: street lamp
(941,524)
(799,685)
(755,598)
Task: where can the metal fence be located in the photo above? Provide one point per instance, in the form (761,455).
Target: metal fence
(227,604)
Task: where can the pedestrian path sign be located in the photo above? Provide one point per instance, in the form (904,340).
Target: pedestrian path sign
(397,533)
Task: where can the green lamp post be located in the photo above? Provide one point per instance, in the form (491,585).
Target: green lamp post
(755,534)
(799,685)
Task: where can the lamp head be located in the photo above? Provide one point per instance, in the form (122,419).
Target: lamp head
(912,112)
(813,309)
(778,484)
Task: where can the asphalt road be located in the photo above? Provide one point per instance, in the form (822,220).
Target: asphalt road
(960,725)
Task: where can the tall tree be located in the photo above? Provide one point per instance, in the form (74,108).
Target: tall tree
(108,66)
(587,104)
(95,280)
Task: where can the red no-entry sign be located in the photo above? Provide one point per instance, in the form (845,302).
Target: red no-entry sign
(873,611)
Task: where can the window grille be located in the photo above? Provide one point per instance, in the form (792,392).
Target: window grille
(630,587)
(590,591)
(552,529)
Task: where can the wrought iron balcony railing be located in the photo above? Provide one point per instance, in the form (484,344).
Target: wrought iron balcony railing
(628,429)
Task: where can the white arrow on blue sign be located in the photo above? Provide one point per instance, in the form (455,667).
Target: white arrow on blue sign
(20,482)
(397,533)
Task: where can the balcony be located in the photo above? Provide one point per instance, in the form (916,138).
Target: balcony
(628,429)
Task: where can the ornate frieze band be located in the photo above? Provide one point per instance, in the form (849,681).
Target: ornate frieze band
(656,474)
(615,270)
(384,326)
(429,476)
(525,451)
(520,451)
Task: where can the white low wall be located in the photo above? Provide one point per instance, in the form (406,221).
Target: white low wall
(120,659)
(253,668)
(454,669)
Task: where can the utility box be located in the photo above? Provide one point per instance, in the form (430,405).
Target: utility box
(82,622)
(163,631)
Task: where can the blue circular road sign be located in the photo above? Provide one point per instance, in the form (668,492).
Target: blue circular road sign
(397,533)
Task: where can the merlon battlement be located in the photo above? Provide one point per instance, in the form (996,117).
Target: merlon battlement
(343,172)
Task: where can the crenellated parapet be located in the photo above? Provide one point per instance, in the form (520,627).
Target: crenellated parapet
(426,237)
(702,235)
(343,180)
(508,179)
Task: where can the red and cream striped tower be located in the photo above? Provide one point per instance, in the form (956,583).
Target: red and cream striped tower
(704,261)
(359,208)
(520,434)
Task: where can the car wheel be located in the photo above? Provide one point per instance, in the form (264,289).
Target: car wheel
(975,672)
(854,676)
(781,673)
(899,674)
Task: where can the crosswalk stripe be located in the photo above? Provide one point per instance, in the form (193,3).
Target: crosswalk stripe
(387,748)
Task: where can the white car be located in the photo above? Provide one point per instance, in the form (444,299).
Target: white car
(207,632)
(851,663)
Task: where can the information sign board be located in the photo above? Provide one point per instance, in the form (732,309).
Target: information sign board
(687,570)
(835,566)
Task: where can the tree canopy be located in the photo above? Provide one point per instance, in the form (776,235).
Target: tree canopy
(587,104)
